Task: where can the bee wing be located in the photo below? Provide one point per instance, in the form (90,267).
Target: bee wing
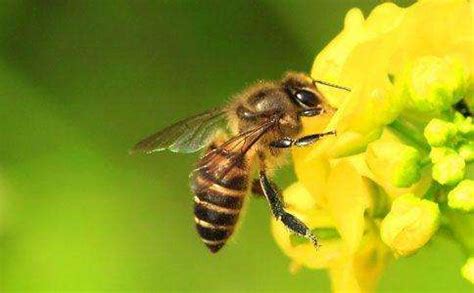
(223,158)
(186,136)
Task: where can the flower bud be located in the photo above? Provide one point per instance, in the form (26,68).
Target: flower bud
(449,170)
(466,151)
(410,224)
(433,84)
(462,196)
(437,154)
(351,143)
(397,163)
(464,124)
(467,271)
(439,132)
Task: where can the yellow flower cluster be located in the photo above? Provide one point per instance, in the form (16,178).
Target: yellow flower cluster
(368,193)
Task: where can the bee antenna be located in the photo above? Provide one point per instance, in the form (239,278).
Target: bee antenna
(331,85)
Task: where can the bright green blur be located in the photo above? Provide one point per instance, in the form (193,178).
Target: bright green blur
(82,81)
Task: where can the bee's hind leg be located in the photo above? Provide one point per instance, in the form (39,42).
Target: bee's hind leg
(257,190)
(276,204)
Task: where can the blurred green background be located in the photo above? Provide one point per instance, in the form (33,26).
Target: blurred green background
(81,81)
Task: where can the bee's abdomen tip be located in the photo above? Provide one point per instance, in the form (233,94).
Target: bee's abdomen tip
(214,248)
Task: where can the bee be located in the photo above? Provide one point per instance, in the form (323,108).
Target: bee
(264,121)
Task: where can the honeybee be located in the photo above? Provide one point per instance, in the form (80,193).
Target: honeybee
(264,121)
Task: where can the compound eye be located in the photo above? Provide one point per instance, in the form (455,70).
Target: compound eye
(306,98)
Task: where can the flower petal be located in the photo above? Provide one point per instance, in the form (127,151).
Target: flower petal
(348,196)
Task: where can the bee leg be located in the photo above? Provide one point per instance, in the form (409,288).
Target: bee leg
(288,142)
(276,204)
(257,188)
(311,112)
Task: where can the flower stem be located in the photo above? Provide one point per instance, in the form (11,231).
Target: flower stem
(432,192)
(409,134)
(461,224)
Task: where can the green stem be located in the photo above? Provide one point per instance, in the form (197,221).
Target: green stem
(432,192)
(425,162)
(409,134)
(462,225)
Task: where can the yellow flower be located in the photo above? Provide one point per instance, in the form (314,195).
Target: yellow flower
(397,163)
(300,203)
(467,152)
(358,270)
(449,170)
(348,189)
(467,270)
(433,84)
(410,224)
(367,52)
(361,272)
(438,154)
(462,196)
(439,132)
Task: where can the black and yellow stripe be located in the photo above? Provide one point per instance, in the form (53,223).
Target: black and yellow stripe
(218,201)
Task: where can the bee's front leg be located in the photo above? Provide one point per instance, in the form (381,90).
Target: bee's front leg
(276,204)
(288,142)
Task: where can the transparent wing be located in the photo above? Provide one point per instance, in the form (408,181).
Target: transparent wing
(234,151)
(186,136)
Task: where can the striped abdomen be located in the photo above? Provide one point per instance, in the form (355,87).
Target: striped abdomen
(218,196)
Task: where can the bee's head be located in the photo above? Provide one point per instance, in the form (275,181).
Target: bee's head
(303,92)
